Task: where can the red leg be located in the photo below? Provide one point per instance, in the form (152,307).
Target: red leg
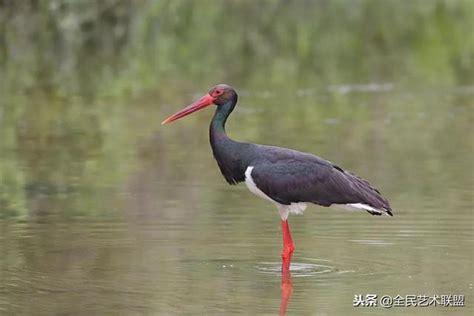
(288,246)
(286,283)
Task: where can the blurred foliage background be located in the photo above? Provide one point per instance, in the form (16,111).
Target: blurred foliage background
(116,47)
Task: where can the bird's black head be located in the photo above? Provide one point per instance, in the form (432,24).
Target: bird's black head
(222,94)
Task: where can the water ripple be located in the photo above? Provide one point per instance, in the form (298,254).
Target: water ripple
(298,269)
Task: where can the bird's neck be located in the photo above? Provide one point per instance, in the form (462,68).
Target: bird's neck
(227,152)
(217,128)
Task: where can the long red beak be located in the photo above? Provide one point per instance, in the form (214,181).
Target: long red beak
(199,104)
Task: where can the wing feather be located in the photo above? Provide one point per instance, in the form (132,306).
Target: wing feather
(298,177)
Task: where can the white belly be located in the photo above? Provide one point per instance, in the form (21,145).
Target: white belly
(294,208)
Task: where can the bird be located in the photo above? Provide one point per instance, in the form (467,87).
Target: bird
(288,178)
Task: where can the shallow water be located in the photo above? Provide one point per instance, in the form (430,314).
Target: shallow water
(163,233)
(103,211)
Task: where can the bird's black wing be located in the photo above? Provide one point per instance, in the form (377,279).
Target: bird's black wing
(289,176)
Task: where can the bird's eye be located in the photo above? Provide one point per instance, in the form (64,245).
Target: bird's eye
(218,92)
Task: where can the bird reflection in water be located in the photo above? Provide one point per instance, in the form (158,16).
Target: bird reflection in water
(286,284)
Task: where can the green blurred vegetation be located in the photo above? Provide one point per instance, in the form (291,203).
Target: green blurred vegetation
(112,46)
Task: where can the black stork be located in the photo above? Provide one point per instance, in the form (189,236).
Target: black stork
(287,178)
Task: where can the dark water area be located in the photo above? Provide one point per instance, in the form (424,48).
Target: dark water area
(105,211)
